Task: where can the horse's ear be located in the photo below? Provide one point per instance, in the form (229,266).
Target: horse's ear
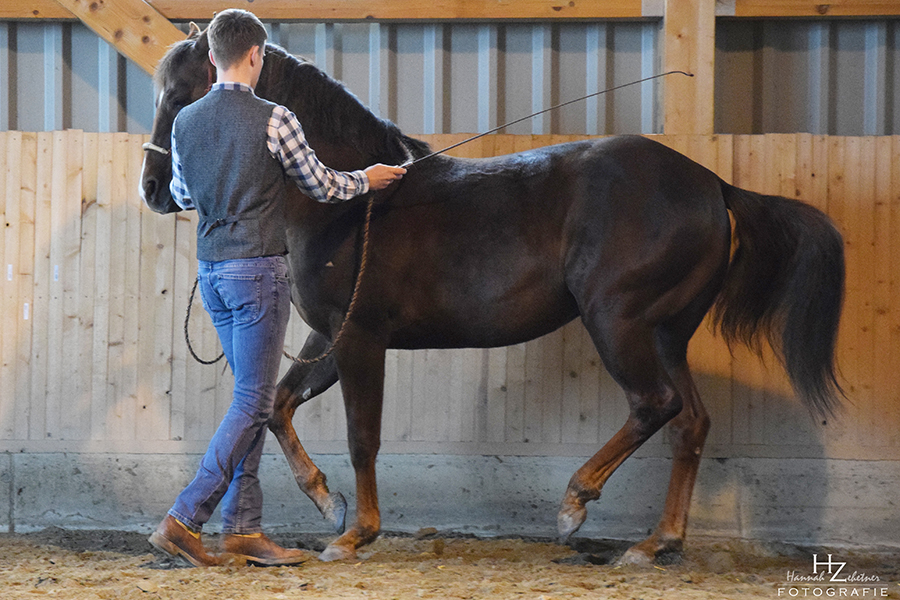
(193,30)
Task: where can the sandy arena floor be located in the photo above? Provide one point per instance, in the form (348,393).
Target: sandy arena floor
(117,565)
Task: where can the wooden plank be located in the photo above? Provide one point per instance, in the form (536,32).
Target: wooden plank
(689,45)
(55,372)
(41,287)
(91,246)
(103,181)
(533,391)
(133,27)
(430,383)
(813,8)
(884,396)
(853,323)
(552,383)
(24,275)
(117,391)
(9,210)
(353,10)
(570,398)
(494,425)
(390,416)
(864,275)
(155,309)
(132,317)
(465,380)
(75,400)
(893,258)
(5,397)
(837,430)
(590,372)
(400,10)
(515,393)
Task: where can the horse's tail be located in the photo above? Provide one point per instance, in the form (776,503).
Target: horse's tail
(786,282)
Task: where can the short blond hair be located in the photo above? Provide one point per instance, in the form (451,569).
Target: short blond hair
(232,33)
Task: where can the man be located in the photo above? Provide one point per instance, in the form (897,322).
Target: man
(231,153)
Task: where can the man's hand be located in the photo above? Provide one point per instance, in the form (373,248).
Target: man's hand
(381,176)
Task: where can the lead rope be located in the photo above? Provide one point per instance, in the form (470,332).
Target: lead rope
(354,301)
(187,337)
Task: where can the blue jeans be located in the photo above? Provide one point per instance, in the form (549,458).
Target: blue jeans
(249,302)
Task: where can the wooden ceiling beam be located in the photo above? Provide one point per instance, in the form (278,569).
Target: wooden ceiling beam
(133,27)
(497,10)
(816,8)
(354,10)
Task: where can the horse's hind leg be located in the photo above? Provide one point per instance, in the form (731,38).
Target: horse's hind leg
(688,430)
(302,383)
(688,434)
(628,349)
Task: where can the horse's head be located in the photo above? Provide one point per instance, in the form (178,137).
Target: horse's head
(183,75)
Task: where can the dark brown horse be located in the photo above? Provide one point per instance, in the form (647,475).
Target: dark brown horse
(623,232)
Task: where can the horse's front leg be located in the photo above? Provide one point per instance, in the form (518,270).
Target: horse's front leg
(360,362)
(300,384)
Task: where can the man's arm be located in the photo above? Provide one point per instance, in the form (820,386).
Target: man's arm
(288,144)
(177,187)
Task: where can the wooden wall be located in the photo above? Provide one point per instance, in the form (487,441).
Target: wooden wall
(95,286)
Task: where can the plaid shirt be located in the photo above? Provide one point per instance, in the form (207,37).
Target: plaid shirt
(288,145)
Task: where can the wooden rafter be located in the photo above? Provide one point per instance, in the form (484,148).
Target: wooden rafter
(816,8)
(134,27)
(354,10)
(399,10)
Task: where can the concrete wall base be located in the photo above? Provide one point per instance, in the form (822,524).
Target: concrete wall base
(823,501)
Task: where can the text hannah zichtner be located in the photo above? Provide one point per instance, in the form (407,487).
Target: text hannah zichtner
(830,579)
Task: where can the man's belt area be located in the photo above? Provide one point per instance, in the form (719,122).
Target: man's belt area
(225,221)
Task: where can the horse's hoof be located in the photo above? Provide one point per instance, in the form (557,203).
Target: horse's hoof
(335,512)
(570,520)
(333,553)
(636,558)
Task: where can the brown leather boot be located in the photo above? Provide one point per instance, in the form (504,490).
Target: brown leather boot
(175,539)
(259,549)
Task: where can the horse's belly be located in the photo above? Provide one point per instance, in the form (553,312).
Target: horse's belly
(487,324)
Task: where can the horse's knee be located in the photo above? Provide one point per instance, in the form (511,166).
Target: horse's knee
(363,453)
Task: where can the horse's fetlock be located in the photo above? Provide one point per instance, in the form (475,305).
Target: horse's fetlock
(579,495)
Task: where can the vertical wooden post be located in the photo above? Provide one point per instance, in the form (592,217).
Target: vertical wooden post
(689,45)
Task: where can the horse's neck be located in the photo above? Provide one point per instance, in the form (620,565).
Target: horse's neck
(332,149)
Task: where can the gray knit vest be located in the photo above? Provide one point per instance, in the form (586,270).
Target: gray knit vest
(235,183)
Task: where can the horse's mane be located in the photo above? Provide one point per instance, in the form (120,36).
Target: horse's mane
(325,106)
(176,57)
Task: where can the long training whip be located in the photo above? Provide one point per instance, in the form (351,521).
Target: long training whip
(410,163)
(368,220)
